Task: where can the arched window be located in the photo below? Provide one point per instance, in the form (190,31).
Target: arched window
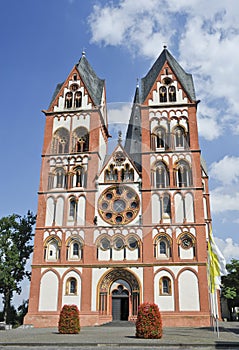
(166,206)
(50,181)
(165,286)
(111,174)
(78,99)
(52,250)
(105,243)
(163,94)
(180,137)
(127,173)
(81,140)
(172,93)
(184,174)
(78,177)
(71,286)
(60,178)
(161,175)
(162,247)
(161,138)
(60,141)
(74,249)
(68,100)
(72,209)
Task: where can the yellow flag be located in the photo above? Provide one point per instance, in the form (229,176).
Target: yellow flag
(217,264)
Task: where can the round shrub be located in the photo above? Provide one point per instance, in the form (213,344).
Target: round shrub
(69,321)
(149,322)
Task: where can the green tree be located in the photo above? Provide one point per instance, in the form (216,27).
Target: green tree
(16,247)
(230,282)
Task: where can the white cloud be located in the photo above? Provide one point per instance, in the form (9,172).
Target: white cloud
(228,247)
(205,34)
(226,170)
(222,201)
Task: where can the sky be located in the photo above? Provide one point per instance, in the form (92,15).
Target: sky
(42,40)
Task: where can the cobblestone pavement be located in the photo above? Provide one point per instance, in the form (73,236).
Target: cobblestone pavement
(121,336)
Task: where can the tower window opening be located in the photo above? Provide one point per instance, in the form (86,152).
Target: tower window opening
(68,100)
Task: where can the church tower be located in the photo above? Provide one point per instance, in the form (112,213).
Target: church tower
(116,230)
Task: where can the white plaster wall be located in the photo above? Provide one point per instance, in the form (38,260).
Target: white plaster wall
(205,208)
(103,255)
(72,299)
(118,254)
(61,122)
(49,211)
(156,212)
(96,275)
(186,253)
(189,207)
(81,211)
(59,211)
(81,120)
(188,291)
(178,208)
(165,302)
(102,150)
(176,269)
(48,292)
(131,254)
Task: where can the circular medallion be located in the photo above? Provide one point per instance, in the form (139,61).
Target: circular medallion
(186,242)
(118,205)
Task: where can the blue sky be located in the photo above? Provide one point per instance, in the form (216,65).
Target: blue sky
(41,41)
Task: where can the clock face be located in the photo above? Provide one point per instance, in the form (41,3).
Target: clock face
(118,205)
(186,242)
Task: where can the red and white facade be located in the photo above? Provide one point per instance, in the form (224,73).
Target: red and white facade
(116,230)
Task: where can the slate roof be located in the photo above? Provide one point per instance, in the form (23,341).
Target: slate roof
(133,134)
(94,84)
(184,78)
(204,165)
(57,89)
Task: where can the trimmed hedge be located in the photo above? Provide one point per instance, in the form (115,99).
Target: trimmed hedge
(69,321)
(149,322)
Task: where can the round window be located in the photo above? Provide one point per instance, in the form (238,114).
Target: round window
(119,205)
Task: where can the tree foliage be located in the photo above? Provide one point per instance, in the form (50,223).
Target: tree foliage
(16,247)
(230,282)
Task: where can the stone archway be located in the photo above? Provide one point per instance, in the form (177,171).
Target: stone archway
(107,298)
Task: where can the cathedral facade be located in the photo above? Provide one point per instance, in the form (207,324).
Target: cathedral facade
(115,230)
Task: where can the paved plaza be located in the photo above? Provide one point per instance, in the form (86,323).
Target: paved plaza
(121,336)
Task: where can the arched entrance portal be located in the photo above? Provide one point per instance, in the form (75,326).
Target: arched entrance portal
(120,301)
(119,295)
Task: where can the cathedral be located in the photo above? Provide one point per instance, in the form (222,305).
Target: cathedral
(115,230)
